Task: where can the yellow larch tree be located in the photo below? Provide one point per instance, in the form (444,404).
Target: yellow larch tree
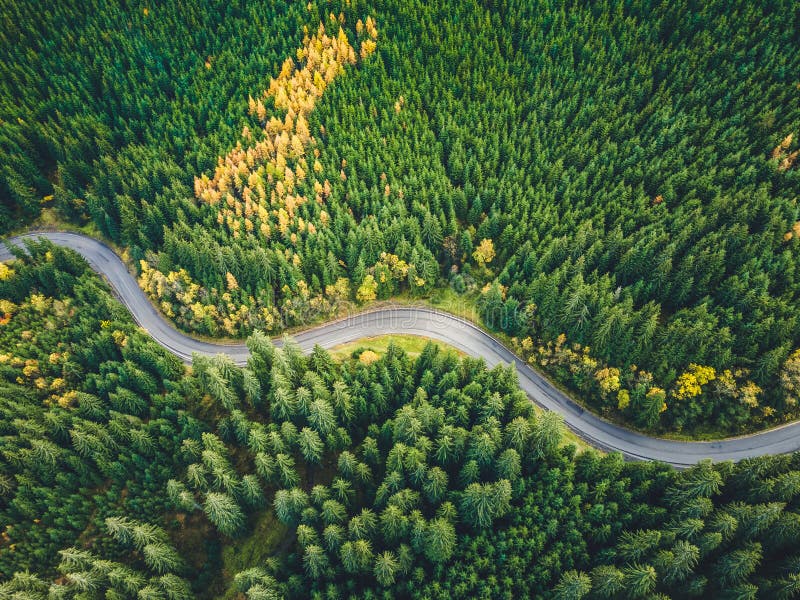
(484,253)
(273,165)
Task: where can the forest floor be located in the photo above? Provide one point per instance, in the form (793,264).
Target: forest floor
(411,344)
(262,541)
(266,536)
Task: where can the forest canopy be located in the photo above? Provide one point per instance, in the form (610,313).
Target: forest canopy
(125,477)
(611,185)
(623,174)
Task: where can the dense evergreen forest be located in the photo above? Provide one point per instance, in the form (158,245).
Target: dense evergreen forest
(92,416)
(623,174)
(613,185)
(380,476)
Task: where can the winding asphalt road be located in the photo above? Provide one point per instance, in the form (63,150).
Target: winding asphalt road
(436,325)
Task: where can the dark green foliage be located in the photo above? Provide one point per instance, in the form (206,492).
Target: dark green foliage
(88,426)
(471,494)
(619,155)
(426,478)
